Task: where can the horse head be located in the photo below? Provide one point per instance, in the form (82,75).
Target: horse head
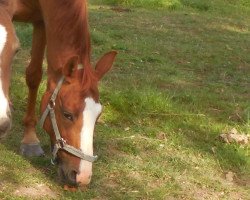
(74,102)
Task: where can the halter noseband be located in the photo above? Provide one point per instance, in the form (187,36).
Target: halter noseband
(60,142)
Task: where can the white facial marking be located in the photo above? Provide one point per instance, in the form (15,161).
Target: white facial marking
(3,37)
(3,100)
(91,111)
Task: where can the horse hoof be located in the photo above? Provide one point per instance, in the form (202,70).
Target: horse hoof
(31,150)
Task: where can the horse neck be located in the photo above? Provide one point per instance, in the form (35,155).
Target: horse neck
(67,34)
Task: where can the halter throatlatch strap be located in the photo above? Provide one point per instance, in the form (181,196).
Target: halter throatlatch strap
(51,102)
(60,142)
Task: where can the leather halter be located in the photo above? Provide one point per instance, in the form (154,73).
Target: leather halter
(60,142)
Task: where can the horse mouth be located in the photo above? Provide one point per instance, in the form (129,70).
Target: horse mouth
(66,176)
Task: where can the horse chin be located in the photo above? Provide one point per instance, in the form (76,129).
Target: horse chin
(5,125)
(4,132)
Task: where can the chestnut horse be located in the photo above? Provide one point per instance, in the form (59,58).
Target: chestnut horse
(70,105)
(8,47)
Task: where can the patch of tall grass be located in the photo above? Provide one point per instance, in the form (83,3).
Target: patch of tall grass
(171,4)
(177,4)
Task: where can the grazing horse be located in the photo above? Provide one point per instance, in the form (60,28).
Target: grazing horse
(8,47)
(70,105)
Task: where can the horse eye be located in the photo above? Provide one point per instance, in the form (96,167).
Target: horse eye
(68,116)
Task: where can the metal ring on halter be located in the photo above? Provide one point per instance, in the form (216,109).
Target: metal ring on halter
(51,104)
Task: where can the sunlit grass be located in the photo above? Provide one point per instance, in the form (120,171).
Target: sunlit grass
(181,78)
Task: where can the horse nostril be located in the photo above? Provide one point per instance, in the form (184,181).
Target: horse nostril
(72,177)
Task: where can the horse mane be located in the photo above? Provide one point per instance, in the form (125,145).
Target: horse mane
(72,19)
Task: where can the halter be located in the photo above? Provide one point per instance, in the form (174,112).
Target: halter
(60,142)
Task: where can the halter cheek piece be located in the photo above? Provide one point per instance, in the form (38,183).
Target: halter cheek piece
(60,142)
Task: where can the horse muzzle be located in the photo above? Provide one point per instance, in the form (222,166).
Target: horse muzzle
(73,177)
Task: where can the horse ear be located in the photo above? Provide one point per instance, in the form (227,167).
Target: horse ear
(105,63)
(71,66)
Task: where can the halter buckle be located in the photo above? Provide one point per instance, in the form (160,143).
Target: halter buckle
(60,143)
(51,104)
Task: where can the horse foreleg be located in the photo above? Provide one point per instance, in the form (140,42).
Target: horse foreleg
(8,47)
(30,145)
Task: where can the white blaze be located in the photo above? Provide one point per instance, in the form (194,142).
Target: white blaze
(3,37)
(91,111)
(3,100)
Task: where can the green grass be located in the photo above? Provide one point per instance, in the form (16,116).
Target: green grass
(183,72)
(219,5)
